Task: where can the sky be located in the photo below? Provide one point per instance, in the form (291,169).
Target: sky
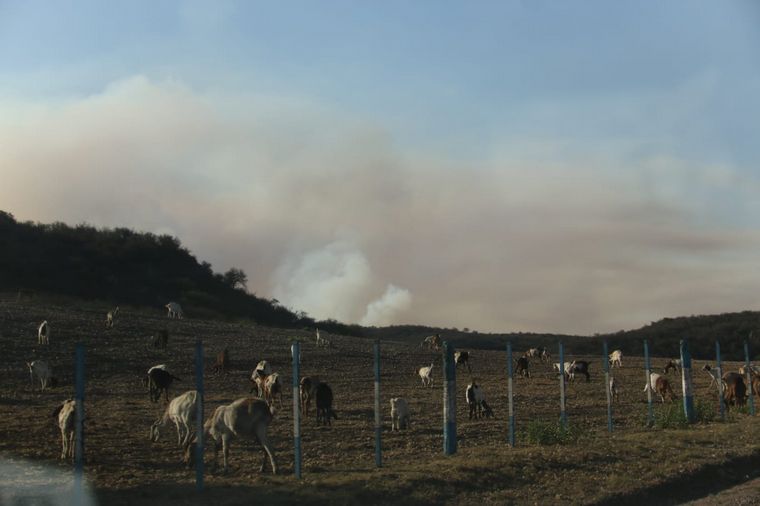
(575,167)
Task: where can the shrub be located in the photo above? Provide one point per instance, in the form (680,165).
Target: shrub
(545,433)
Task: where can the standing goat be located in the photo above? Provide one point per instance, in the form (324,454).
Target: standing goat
(462,358)
(66,413)
(174,310)
(400,416)
(476,401)
(43,333)
(324,399)
(181,410)
(159,381)
(110,316)
(246,418)
(426,375)
(521,366)
(44,373)
(616,358)
(674,364)
(306,392)
(259,376)
(273,388)
(661,386)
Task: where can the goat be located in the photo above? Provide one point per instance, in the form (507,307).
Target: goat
(521,367)
(259,376)
(714,376)
(324,397)
(222,363)
(736,390)
(400,416)
(44,373)
(614,390)
(247,418)
(753,369)
(426,375)
(272,388)
(616,358)
(545,355)
(181,410)
(533,352)
(462,358)
(660,385)
(578,366)
(159,380)
(174,310)
(110,316)
(159,340)
(43,333)
(306,391)
(432,342)
(476,401)
(66,413)
(674,364)
(322,342)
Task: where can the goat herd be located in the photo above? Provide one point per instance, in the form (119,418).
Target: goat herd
(249,417)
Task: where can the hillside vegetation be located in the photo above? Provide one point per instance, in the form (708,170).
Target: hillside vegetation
(122,266)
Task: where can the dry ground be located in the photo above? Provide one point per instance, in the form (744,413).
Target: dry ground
(125,467)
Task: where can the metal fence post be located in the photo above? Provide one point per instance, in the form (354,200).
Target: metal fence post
(562,412)
(378,416)
(295,350)
(648,371)
(606,366)
(79,426)
(510,380)
(449,401)
(749,378)
(199,446)
(721,400)
(688,393)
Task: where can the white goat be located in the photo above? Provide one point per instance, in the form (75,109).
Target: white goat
(400,416)
(714,377)
(181,410)
(42,370)
(246,418)
(426,375)
(259,376)
(616,358)
(66,417)
(272,388)
(43,333)
(110,316)
(174,310)
(533,352)
(660,385)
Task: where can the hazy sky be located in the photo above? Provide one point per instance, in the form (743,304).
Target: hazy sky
(575,167)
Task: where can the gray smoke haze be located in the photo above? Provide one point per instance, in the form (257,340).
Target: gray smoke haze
(326,215)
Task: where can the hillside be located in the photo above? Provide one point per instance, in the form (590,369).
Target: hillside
(121,266)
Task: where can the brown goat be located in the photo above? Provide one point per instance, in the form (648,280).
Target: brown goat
(521,366)
(662,387)
(736,391)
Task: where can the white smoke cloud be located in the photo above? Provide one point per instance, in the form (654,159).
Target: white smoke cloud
(545,240)
(386,309)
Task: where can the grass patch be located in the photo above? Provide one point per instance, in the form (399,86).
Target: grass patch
(546,433)
(672,416)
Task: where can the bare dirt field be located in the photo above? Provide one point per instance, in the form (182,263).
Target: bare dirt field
(633,464)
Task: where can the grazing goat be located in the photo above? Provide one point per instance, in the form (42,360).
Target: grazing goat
(273,388)
(522,365)
(674,364)
(181,410)
(174,310)
(222,363)
(432,342)
(44,373)
(246,418)
(324,398)
(462,358)
(661,386)
(580,367)
(736,390)
(43,333)
(110,316)
(66,413)
(616,358)
(545,356)
(614,390)
(306,392)
(476,401)
(426,375)
(159,381)
(400,416)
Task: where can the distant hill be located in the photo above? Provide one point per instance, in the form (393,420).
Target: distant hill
(121,266)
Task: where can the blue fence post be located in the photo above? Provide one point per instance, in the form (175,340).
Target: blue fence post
(200,443)
(606,366)
(378,416)
(688,394)
(749,378)
(510,376)
(562,412)
(648,371)
(79,426)
(449,401)
(295,350)
(721,400)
